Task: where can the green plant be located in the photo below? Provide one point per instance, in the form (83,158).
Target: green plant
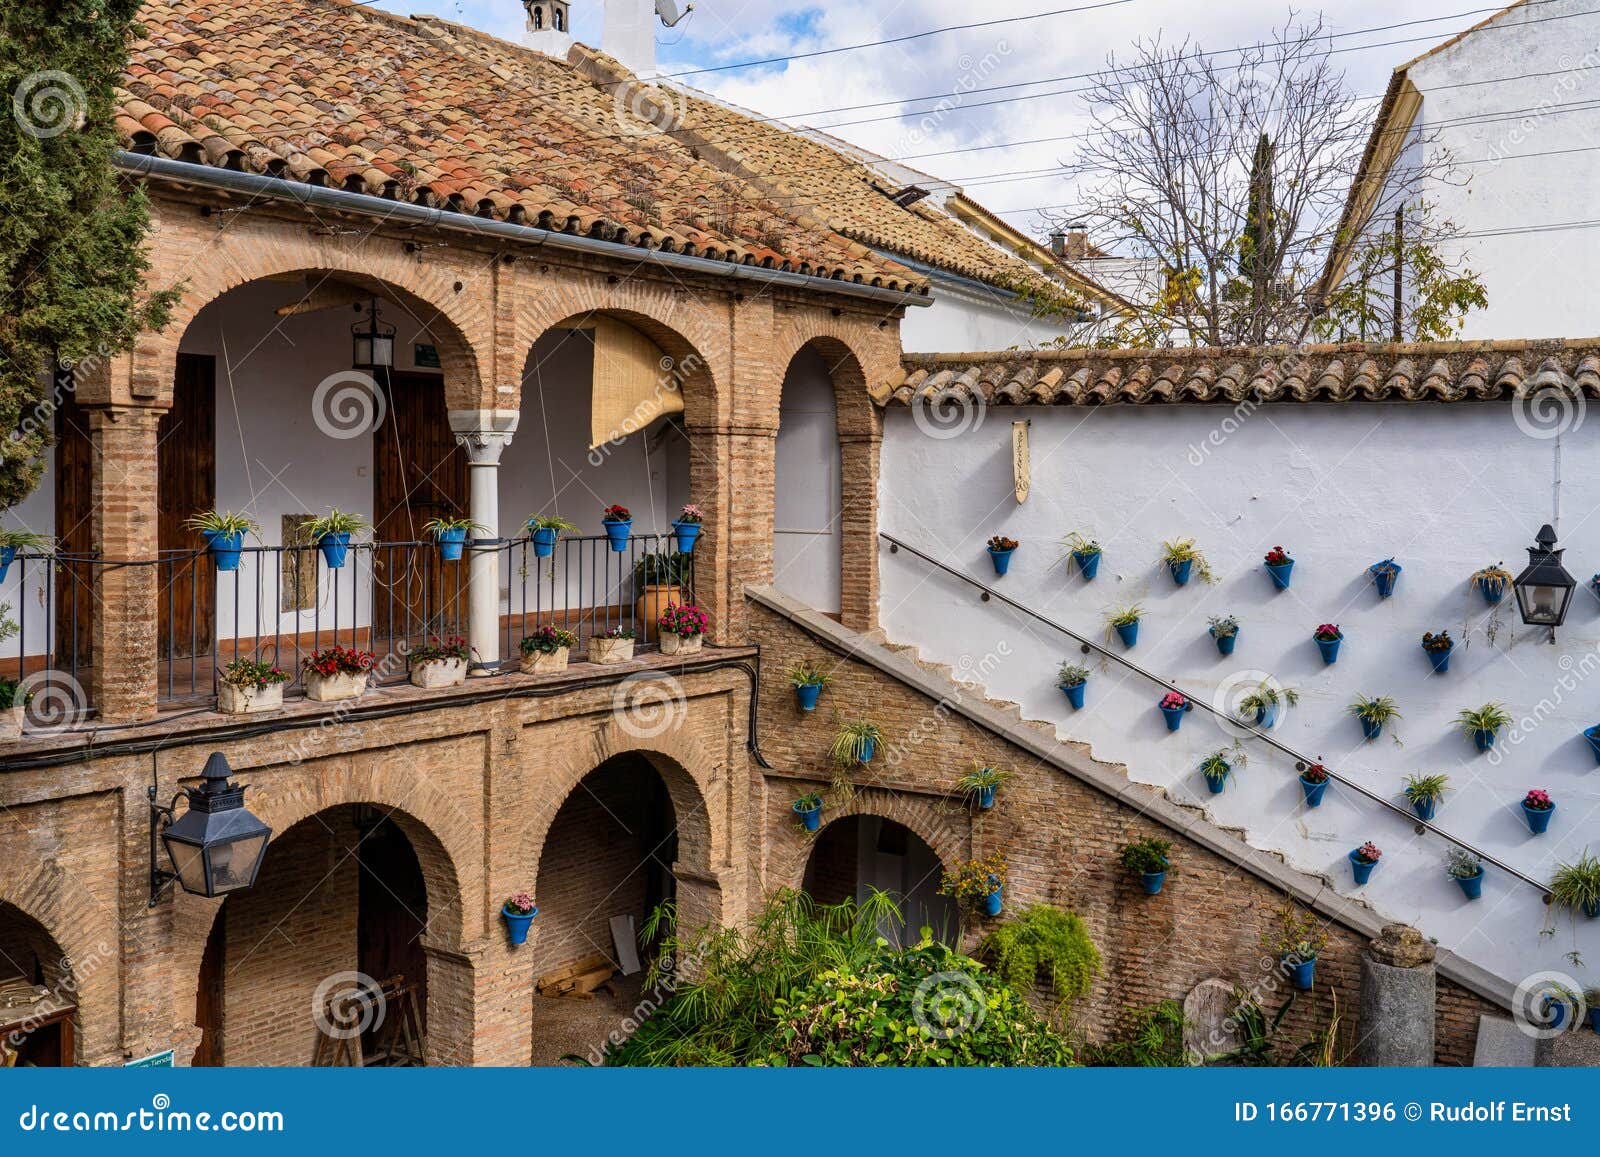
(1377,709)
(980,778)
(436,649)
(1219,765)
(661,569)
(1496,577)
(223,523)
(1124,616)
(1044,944)
(1490,717)
(1426,788)
(12,695)
(1184,550)
(547,640)
(252,673)
(1576,885)
(549,522)
(808,800)
(1147,855)
(1255,1032)
(24,540)
(1295,933)
(336,521)
(1462,864)
(971,883)
(1071,674)
(804,675)
(438,526)
(1264,697)
(1148,1037)
(1079,544)
(853,742)
(1223,625)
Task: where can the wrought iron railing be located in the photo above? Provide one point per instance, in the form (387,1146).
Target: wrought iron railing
(46,617)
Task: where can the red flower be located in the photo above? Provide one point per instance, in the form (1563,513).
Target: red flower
(1277,556)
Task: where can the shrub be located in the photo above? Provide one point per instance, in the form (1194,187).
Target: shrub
(1148,1037)
(1047,946)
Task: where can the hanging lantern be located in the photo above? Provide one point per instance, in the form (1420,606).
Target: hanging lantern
(1544,589)
(216,845)
(372,342)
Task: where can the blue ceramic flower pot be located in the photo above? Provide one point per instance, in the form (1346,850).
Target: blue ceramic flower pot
(517,925)
(1371,728)
(1225,643)
(807,695)
(986,797)
(1471,886)
(1329,649)
(1266,717)
(451,542)
(1129,634)
(1538,818)
(1313,791)
(1216,783)
(1591,910)
(1555,1012)
(544,541)
(1491,590)
(1280,573)
(1424,808)
(686,533)
(1362,869)
(1153,881)
(1303,974)
(1440,659)
(1001,560)
(869,747)
(1088,563)
(1594,1020)
(8,555)
(1592,734)
(224,550)
(1074,694)
(335,548)
(1173,716)
(1483,738)
(618,533)
(1383,577)
(811,816)
(992,902)
(1181,571)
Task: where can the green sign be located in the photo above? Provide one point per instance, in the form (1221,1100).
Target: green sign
(154,1061)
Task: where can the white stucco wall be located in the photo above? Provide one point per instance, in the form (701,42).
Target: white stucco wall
(1444,489)
(968,317)
(806,536)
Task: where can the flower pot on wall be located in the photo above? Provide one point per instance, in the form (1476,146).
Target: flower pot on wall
(1001,560)
(434,673)
(1129,634)
(1302,974)
(1492,590)
(339,685)
(992,902)
(1384,575)
(1361,869)
(1424,809)
(1471,886)
(544,541)
(610,650)
(1440,658)
(1152,881)
(807,694)
(672,644)
(335,547)
(652,600)
(811,817)
(1174,716)
(1088,563)
(1313,792)
(451,543)
(1280,573)
(224,550)
(1329,649)
(517,924)
(1225,643)
(1181,571)
(234,699)
(1074,693)
(686,533)
(1483,738)
(1592,734)
(618,533)
(1371,728)
(986,797)
(1267,717)
(545,662)
(1217,783)
(1538,818)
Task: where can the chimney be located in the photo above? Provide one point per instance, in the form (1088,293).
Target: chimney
(1075,246)
(630,35)
(1058,244)
(548,28)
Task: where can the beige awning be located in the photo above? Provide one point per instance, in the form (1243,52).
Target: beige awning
(634,382)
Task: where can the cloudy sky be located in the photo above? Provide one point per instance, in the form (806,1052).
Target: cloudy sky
(890,96)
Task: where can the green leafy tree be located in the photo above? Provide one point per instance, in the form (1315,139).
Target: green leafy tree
(71,228)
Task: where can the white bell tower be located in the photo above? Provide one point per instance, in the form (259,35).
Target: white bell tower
(549,27)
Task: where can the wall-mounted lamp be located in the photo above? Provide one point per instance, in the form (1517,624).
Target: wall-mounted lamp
(216,845)
(1544,589)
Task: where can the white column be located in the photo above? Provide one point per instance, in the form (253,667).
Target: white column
(484,434)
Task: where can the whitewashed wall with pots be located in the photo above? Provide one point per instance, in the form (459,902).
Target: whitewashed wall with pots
(1444,489)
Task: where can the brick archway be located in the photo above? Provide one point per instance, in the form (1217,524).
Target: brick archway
(946,831)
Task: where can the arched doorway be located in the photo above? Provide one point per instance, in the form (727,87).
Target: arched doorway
(858,854)
(38,995)
(807,535)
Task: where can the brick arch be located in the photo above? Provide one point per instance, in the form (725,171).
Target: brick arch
(87,936)
(948,833)
(857,351)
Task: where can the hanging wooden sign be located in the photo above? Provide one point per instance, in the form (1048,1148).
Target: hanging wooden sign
(1021,470)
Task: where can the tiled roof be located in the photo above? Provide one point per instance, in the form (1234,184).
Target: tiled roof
(335,93)
(1354,372)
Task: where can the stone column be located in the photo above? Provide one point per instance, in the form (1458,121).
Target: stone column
(1396,1017)
(484,434)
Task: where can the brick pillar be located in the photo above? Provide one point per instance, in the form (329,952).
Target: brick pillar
(123,490)
(858,526)
(709,450)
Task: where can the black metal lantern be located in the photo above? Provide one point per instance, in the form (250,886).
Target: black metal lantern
(216,845)
(1544,589)
(373,346)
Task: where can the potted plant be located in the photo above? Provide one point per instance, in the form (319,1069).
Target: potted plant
(1085,554)
(1225,630)
(332,534)
(683,629)
(518,912)
(249,686)
(1328,636)
(1313,783)
(1383,576)
(808,683)
(547,650)
(451,535)
(223,531)
(1483,724)
(617,521)
(980,784)
(809,808)
(614,645)
(1425,793)
(686,527)
(440,662)
(1592,734)
(1438,648)
(544,529)
(1492,582)
(1125,621)
(1262,703)
(1280,566)
(1466,870)
(1363,860)
(1183,558)
(1591,1001)
(1373,713)
(659,579)
(1218,766)
(1576,886)
(977,884)
(1173,706)
(13,541)
(1150,859)
(336,673)
(1000,551)
(1297,939)
(1554,1003)
(1538,807)
(855,743)
(1073,679)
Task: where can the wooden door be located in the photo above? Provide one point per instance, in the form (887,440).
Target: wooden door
(418,473)
(74,532)
(187,478)
(392,914)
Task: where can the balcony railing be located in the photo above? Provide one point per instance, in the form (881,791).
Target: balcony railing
(48,600)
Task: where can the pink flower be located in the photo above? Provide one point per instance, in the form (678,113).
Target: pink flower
(1173,700)
(1368,853)
(1328,632)
(1538,801)
(521,903)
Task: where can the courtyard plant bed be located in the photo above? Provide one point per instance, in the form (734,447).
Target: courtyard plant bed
(659,580)
(1372,713)
(1280,567)
(1183,558)
(980,784)
(1492,582)
(809,808)
(546,651)
(332,533)
(451,535)
(1262,703)
(223,531)
(686,527)
(855,743)
(1483,724)
(1218,768)
(1537,808)
(1576,885)
(544,530)
(1073,679)
(614,645)
(1384,575)
(1466,870)
(518,912)
(336,673)
(1425,792)
(977,885)
(808,683)
(1174,705)
(617,521)
(682,628)
(1085,554)
(1438,648)
(440,662)
(1363,860)
(1150,860)
(1297,938)
(1001,549)
(1224,630)
(1125,622)
(1313,784)
(249,686)
(1328,636)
